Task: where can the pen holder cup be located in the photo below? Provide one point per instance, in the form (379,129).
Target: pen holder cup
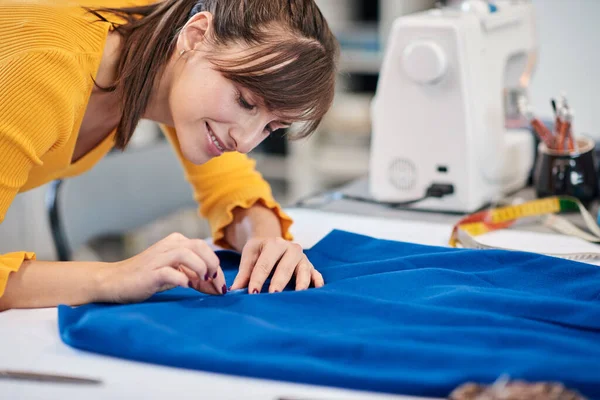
(567,173)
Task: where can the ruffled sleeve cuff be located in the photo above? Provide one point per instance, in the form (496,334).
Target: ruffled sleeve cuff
(222,216)
(11,262)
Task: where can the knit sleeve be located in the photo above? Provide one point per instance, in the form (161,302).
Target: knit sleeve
(224,183)
(41,94)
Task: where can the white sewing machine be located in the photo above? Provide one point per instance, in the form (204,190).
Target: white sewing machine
(449,79)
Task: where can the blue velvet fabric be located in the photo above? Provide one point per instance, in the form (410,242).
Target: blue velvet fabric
(394,317)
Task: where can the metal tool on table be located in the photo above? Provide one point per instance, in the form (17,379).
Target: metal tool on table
(43,377)
(449,85)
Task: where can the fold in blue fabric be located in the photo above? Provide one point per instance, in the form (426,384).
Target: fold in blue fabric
(393,317)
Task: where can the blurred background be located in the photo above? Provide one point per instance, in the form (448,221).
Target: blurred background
(338,153)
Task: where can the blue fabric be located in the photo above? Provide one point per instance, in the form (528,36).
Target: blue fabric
(393,317)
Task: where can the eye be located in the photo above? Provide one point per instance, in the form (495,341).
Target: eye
(244,103)
(276,126)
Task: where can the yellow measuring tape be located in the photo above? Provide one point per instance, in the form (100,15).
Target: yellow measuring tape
(545,209)
(529,209)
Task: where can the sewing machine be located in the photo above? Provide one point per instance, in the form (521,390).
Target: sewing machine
(450,80)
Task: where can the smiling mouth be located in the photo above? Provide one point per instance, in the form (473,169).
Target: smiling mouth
(214,139)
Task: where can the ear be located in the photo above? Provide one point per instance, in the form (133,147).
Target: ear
(195,31)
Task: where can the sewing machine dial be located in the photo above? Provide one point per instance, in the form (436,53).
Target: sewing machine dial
(424,62)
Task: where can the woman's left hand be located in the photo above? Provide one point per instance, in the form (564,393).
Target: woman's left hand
(261,255)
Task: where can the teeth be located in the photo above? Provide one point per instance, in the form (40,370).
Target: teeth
(215,141)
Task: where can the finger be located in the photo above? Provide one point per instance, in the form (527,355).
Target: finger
(203,250)
(201,285)
(168,278)
(213,270)
(303,274)
(207,287)
(219,282)
(183,257)
(169,242)
(270,253)
(317,278)
(192,276)
(286,267)
(250,254)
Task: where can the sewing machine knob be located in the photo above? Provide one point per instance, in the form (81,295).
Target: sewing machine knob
(424,61)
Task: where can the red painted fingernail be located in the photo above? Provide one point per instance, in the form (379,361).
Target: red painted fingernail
(275,291)
(190,284)
(206,277)
(215,276)
(255,291)
(224,289)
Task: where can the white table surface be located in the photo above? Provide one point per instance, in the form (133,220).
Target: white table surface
(29,338)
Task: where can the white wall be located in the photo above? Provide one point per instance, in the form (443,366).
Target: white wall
(569,60)
(392,9)
(339,13)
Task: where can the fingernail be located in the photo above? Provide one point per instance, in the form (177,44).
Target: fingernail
(206,277)
(255,291)
(190,284)
(215,275)
(224,289)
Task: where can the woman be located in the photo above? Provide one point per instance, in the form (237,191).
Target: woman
(218,76)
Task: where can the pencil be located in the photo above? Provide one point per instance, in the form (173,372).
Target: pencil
(542,132)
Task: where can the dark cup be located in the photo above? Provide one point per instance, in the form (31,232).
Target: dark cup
(567,173)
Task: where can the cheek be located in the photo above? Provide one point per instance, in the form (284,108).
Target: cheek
(197,96)
(200,94)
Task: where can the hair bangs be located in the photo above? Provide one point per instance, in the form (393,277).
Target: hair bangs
(292,78)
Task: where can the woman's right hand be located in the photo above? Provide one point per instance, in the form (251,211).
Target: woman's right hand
(173,261)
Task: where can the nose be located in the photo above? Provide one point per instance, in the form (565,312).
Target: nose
(247,137)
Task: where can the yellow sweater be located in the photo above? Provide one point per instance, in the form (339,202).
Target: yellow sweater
(49,52)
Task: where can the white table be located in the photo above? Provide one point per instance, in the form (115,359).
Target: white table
(29,338)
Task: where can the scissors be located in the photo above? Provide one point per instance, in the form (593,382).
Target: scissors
(40,377)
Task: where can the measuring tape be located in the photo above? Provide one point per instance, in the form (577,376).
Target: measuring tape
(546,210)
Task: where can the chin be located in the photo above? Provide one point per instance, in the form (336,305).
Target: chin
(194,153)
(195,157)
(191,150)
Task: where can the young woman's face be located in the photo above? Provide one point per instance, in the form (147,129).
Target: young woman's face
(213,115)
(210,113)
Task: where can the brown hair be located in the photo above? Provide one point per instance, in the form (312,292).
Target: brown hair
(299,81)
